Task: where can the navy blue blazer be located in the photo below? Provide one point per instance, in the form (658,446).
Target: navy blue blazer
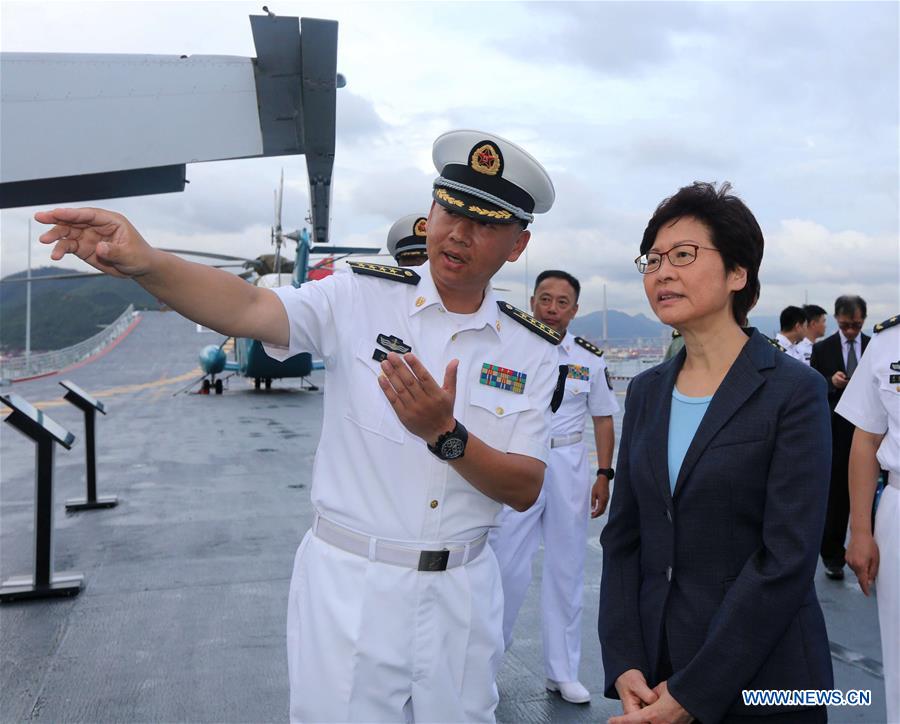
(725,566)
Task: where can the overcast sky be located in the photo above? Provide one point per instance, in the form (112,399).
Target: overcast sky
(795,103)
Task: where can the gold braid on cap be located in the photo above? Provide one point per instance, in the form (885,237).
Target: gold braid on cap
(444,196)
(492,214)
(440,182)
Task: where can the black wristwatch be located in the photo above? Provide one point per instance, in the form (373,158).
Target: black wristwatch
(451,445)
(608,472)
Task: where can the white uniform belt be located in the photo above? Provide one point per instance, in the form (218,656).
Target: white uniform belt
(894,480)
(565,440)
(394,553)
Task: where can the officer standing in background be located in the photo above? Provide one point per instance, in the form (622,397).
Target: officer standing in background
(871,402)
(792,322)
(815,328)
(836,358)
(406,241)
(395,606)
(560,515)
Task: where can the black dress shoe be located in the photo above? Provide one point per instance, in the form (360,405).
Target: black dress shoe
(835,573)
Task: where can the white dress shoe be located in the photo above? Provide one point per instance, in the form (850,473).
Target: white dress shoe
(572,691)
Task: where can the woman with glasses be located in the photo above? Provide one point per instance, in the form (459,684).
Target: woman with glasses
(714,528)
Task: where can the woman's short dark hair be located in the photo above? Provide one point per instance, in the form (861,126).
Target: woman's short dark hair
(732,226)
(557,274)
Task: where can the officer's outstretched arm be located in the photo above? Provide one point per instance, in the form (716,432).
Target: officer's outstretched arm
(214,298)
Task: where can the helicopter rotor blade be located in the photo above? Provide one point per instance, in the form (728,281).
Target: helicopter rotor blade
(77,275)
(208,254)
(368,250)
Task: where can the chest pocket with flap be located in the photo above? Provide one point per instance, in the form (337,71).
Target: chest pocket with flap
(577,387)
(368,408)
(492,414)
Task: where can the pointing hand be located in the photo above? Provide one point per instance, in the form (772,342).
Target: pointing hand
(104,239)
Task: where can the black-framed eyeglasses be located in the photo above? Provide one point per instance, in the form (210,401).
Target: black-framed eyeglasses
(680,255)
(850,325)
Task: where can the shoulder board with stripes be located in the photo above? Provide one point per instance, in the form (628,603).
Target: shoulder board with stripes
(526,320)
(382,271)
(887,324)
(592,348)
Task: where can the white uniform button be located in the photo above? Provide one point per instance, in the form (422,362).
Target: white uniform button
(499,410)
(434,504)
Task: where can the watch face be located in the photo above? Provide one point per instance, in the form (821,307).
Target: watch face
(452,448)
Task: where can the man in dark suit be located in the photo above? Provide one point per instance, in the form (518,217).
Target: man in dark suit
(836,357)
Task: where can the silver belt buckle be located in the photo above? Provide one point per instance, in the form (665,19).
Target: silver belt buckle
(434,560)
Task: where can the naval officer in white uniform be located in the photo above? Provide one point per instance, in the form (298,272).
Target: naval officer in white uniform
(406,240)
(793,330)
(395,606)
(871,402)
(568,498)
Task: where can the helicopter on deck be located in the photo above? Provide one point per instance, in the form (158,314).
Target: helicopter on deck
(271,271)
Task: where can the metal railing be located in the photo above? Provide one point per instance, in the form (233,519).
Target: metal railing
(14,368)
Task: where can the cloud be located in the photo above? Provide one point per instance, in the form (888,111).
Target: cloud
(389,192)
(357,120)
(611,38)
(804,259)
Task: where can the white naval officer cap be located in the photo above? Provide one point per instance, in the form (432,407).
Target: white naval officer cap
(489,178)
(407,235)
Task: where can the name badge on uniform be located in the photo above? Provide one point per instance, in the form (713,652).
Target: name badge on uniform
(502,378)
(577,372)
(392,343)
(896,366)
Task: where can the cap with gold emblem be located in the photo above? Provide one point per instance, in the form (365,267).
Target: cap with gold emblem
(407,236)
(489,178)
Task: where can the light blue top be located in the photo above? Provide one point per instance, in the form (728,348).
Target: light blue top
(684,419)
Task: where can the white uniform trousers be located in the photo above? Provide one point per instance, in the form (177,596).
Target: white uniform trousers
(373,642)
(560,516)
(887,536)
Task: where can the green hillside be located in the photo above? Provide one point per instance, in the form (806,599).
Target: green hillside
(65,311)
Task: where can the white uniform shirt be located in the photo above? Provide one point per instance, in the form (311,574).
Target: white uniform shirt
(804,347)
(370,473)
(586,389)
(790,349)
(871,400)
